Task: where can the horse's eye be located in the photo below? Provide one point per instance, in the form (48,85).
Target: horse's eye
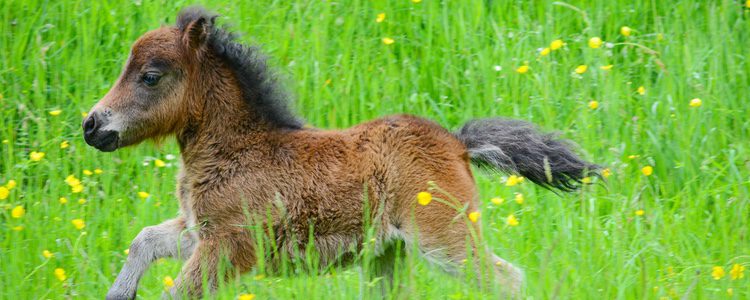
(151,79)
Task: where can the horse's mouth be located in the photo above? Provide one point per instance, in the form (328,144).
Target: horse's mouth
(105,141)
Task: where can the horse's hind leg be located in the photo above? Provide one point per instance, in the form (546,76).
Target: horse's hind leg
(153,242)
(452,242)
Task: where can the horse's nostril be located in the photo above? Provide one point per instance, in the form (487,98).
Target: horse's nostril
(90,125)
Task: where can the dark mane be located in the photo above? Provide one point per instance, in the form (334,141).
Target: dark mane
(259,85)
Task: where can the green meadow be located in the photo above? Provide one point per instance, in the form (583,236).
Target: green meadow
(663,104)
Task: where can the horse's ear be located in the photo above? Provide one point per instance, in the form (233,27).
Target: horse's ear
(196,32)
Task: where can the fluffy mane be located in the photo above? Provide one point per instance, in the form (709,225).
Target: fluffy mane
(259,86)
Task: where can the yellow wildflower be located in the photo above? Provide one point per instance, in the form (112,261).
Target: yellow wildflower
(143,195)
(76,188)
(36,156)
(380,18)
(545,52)
(640,212)
(81,201)
(168,282)
(88,172)
(474,216)
(64,144)
(246,297)
(511,220)
(63,200)
(497,200)
(98,171)
(606,172)
(717,272)
(695,102)
(522,69)
(60,274)
(625,30)
(126,251)
(424,198)
(647,170)
(71,180)
(513,180)
(18,228)
(10,184)
(641,90)
(519,198)
(556,44)
(586,180)
(159,163)
(416,1)
(737,271)
(607,67)
(633,156)
(55,113)
(47,254)
(581,69)
(388,41)
(4,192)
(18,212)
(78,223)
(595,42)
(593,104)
(747,3)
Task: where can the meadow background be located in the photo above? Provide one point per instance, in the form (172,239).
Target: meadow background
(671,220)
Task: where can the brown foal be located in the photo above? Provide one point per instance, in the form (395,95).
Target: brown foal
(245,154)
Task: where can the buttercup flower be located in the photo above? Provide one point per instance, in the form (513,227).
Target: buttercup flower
(556,44)
(98,171)
(168,282)
(513,180)
(159,163)
(47,254)
(695,102)
(474,216)
(607,67)
(581,69)
(143,195)
(593,104)
(64,144)
(55,113)
(380,17)
(388,41)
(519,198)
(737,272)
(60,274)
(641,90)
(246,297)
(424,198)
(18,212)
(545,52)
(36,156)
(511,220)
(647,170)
(522,69)
(10,184)
(78,223)
(63,200)
(639,212)
(595,42)
(88,172)
(497,200)
(717,272)
(625,30)
(4,192)
(606,172)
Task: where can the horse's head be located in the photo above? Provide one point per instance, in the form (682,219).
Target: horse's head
(149,99)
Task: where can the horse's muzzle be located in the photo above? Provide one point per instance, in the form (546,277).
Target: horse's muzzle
(103,140)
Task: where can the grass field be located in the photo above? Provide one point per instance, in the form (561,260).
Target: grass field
(675,208)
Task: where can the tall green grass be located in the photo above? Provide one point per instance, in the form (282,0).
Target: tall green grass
(450,61)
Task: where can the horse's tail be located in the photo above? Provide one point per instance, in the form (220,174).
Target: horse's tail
(517,147)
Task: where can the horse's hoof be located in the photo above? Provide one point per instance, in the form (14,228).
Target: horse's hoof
(119,294)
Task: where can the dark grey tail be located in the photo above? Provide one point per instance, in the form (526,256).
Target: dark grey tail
(517,147)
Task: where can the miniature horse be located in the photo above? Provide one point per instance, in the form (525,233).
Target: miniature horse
(243,150)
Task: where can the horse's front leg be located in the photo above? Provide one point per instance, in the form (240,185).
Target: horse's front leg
(203,267)
(152,243)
